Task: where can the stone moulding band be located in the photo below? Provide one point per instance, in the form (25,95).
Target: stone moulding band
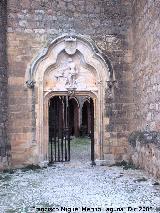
(68,37)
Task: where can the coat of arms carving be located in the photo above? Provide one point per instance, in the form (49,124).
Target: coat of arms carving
(70,45)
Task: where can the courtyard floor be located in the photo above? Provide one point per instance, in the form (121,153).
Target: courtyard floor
(76,186)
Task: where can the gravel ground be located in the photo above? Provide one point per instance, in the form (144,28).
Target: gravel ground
(78,185)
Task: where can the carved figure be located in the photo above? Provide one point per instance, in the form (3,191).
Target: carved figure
(72,73)
(68,73)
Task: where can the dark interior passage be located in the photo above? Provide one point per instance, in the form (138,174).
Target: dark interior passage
(55,116)
(66,119)
(86,118)
(59,132)
(74,117)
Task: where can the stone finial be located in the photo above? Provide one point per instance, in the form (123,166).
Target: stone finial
(30,84)
(112,83)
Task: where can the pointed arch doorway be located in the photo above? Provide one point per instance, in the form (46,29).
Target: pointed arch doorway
(69,65)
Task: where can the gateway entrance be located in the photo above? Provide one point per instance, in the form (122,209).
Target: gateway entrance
(70,118)
(70,68)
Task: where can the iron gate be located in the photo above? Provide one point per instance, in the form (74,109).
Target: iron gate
(59,131)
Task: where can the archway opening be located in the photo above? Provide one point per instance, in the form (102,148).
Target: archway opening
(55,116)
(67,63)
(86,118)
(64,128)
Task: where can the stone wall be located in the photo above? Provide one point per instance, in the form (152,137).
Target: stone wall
(3,85)
(146,64)
(31,25)
(144,151)
(146,83)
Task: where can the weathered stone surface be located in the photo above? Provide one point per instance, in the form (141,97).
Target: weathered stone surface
(146,65)
(126,32)
(32,24)
(146,83)
(3,86)
(146,156)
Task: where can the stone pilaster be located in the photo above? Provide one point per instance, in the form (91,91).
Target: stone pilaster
(3,85)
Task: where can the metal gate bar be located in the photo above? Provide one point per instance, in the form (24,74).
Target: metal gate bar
(59,134)
(92,131)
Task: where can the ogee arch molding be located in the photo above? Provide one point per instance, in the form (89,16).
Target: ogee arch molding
(70,64)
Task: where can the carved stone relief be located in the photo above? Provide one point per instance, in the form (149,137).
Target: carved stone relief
(70,45)
(71,73)
(68,74)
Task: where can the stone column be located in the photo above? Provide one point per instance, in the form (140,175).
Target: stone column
(80,100)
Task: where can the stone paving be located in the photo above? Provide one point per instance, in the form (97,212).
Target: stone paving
(74,187)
